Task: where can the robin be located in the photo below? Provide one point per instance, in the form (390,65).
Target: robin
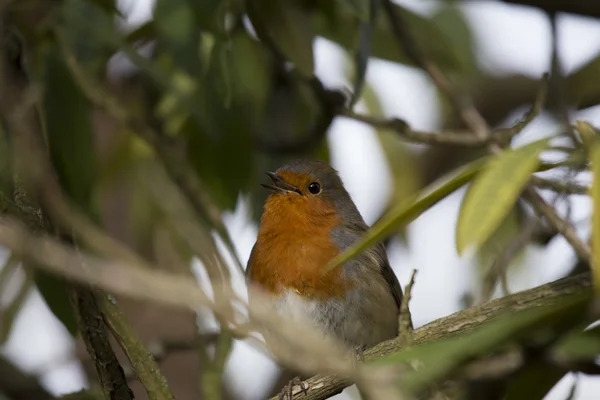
(308,219)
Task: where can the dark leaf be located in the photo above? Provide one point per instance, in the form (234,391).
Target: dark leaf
(286,27)
(534,381)
(69,131)
(54,292)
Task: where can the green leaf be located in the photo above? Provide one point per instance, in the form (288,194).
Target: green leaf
(579,346)
(583,85)
(408,211)
(439,358)
(338,24)
(494,192)
(54,292)
(87,27)
(360,8)
(450,19)
(70,138)
(543,374)
(595,161)
(175,25)
(69,131)
(288,28)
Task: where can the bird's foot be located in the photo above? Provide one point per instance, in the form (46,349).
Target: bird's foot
(360,352)
(287,389)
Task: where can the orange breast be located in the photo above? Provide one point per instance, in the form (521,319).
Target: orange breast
(293,245)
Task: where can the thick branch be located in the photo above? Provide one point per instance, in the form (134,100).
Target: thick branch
(323,387)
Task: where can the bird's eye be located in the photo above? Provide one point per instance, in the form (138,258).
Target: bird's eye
(314,188)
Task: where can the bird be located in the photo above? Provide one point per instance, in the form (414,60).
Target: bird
(308,219)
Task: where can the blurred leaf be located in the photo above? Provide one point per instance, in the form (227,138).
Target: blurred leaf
(174,20)
(494,192)
(54,292)
(224,159)
(339,25)
(579,346)
(109,6)
(87,26)
(588,133)
(71,143)
(143,33)
(361,8)
(288,28)
(441,357)
(489,251)
(595,161)
(543,374)
(409,210)
(583,85)
(69,130)
(449,19)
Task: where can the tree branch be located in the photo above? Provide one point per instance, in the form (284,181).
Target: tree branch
(322,387)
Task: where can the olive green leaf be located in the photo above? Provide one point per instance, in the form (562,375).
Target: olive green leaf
(494,192)
(288,28)
(408,211)
(70,138)
(544,375)
(595,160)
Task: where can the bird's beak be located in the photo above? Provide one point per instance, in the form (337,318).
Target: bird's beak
(280,185)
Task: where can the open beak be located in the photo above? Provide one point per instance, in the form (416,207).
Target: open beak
(279,185)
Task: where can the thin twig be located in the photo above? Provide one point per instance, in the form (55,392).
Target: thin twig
(561,187)
(406,132)
(405,325)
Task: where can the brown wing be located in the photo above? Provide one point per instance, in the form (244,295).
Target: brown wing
(390,278)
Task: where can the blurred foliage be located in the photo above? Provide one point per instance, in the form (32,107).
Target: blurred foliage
(229,88)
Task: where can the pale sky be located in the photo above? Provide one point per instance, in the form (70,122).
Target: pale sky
(38,339)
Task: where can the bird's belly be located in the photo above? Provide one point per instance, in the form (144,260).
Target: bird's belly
(346,321)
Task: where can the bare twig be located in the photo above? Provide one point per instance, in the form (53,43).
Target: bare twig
(406,132)
(561,187)
(558,223)
(405,331)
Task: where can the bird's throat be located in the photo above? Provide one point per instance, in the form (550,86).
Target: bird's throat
(291,252)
